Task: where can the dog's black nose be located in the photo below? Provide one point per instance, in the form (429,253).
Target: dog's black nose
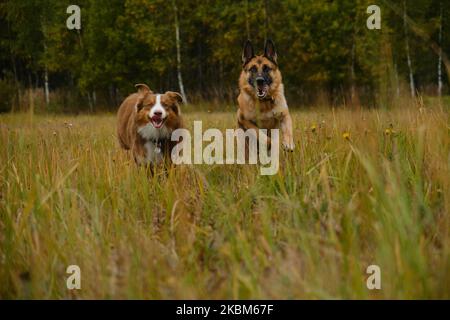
(260,81)
(157,113)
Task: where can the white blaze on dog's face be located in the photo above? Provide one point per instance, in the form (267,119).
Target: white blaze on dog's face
(157,115)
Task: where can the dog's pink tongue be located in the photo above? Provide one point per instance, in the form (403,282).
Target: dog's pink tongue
(157,121)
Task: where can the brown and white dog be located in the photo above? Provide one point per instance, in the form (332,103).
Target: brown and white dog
(146,122)
(261,99)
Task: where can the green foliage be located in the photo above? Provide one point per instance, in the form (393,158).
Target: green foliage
(324,46)
(7,92)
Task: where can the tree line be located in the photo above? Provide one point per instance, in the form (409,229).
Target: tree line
(326,52)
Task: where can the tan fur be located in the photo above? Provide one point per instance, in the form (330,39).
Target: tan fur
(133,115)
(270,113)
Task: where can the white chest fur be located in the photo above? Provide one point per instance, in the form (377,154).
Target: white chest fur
(153,153)
(149,132)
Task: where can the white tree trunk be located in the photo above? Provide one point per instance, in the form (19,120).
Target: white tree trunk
(397,82)
(247,22)
(352,73)
(408,56)
(94,97)
(46,88)
(91,106)
(177,36)
(440,55)
(266,20)
(30,94)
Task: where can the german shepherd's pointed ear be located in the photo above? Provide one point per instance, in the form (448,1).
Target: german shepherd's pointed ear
(247,53)
(270,52)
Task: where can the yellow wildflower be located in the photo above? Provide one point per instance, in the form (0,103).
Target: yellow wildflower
(346,135)
(389,131)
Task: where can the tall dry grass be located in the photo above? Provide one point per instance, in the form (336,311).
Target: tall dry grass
(362,187)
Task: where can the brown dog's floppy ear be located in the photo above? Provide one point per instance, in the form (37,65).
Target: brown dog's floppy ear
(270,51)
(138,106)
(177,98)
(247,53)
(143,88)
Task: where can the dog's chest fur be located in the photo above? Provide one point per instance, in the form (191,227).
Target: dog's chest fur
(153,153)
(267,113)
(148,132)
(151,137)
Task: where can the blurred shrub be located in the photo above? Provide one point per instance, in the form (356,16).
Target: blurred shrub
(7,94)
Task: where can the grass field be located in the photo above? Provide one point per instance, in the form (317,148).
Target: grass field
(362,188)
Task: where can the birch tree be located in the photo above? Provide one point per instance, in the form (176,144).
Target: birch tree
(408,55)
(440,52)
(177,39)
(46,85)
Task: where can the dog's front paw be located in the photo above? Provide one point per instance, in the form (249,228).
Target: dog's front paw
(288,145)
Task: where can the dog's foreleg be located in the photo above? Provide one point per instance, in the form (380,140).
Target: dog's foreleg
(286,120)
(139,153)
(286,130)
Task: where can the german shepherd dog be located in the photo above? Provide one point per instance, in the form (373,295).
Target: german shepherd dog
(261,99)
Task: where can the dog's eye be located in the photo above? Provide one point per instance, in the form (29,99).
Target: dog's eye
(266,69)
(253,69)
